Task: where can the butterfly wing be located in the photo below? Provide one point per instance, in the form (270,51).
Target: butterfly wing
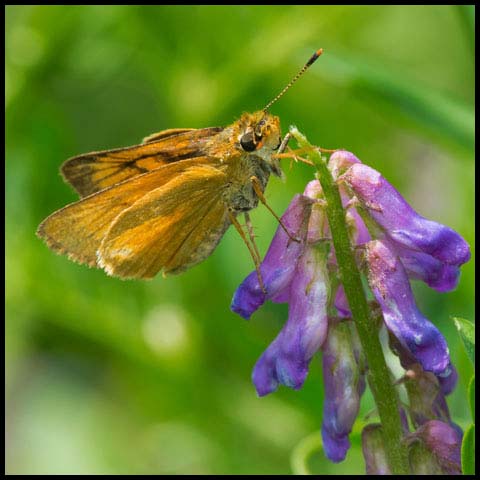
(170,228)
(78,229)
(92,172)
(171,132)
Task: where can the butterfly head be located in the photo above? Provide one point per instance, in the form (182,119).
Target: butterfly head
(259,133)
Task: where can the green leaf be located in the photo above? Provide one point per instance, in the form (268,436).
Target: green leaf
(466,329)
(468,451)
(471,397)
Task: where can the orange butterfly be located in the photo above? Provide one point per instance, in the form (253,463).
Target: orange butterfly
(164,205)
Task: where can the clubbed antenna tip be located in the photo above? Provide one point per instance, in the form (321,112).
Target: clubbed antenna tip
(312,59)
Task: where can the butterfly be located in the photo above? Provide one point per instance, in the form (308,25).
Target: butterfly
(165,204)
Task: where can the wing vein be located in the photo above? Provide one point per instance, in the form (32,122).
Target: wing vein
(206,212)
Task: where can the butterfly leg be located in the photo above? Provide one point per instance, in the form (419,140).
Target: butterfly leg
(295,153)
(283,146)
(284,143)
(253,251)
(258,190)
(248,223)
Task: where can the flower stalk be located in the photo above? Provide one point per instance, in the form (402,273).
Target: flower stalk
(378,374)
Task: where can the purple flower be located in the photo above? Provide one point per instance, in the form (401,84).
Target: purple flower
(393,244)
(340,161)
(447,380)
(344,381)
(400,221)
(441,449)
(293,272)
(286,359)
(426,399)
(421,266)
(426,392)
(390,286)
(341,303)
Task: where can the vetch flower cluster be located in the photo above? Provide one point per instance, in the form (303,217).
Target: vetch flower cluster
(393,244)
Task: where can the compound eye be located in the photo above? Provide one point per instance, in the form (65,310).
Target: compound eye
(259,130)
(247,142)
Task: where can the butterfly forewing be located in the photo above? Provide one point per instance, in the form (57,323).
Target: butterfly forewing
(92,172)
(79,228)
(170,228)
(201,241)
(171,132)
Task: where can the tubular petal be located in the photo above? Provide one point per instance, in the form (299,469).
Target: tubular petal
(433,272)
(344,384)
(279,264)
(287,358)
(389,283)
(402,223)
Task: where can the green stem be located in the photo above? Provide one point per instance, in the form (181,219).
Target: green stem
(303,451)
(379,378)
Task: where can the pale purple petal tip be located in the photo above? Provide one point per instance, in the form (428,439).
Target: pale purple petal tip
(313,189)
(278,366)
(341,303)
(248,297)
(448,380)
(391,288)
(340,161)
(433,272)
(335,448)
(361,234)
(264,375)
(402,223)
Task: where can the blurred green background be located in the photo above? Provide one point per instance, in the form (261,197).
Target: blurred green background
(110,376)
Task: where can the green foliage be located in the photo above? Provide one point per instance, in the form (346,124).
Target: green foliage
(466,331)
(307,457)
(471,397)
(468,451)
(439,115)
(105,376)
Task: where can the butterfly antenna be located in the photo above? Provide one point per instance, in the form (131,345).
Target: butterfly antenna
(296,77)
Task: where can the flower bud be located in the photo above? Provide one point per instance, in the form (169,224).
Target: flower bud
(373,450)
(344,381)
(439,449)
